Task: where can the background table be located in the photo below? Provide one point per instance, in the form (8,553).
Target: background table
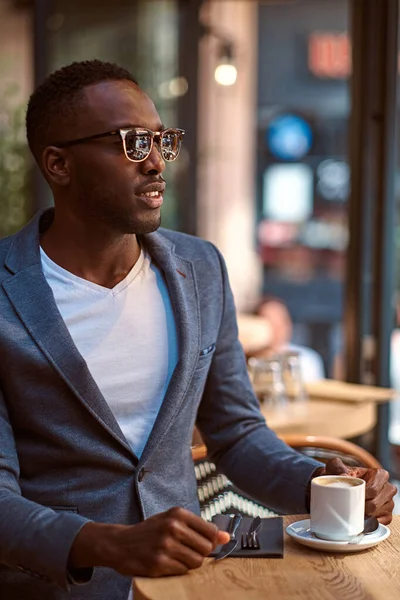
(335,408)
(323,417)
(303,574)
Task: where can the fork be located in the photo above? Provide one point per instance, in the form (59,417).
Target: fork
(250,539)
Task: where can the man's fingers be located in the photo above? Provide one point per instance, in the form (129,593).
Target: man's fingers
(165,565)
(192,531)
(186,556)
(377,505)
(379,494)
(387,516)
(375,480)
(335,466)
(223,537)
(388,507)
(195,541)
(204,528)
(372,509)
(203,544)
(357,472)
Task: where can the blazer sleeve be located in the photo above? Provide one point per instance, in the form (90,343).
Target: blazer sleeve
(33,538)
(234,429)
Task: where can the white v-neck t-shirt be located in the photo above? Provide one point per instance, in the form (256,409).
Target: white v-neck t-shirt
(127,336)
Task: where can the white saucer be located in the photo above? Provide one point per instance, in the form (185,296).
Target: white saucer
(300,531)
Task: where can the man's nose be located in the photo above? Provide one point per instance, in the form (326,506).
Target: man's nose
(154,163)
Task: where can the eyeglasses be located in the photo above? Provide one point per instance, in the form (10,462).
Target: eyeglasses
(138,142)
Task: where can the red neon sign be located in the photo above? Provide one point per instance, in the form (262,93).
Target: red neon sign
(329,55)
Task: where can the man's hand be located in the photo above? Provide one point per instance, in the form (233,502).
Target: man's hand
(169,543)
(379,492)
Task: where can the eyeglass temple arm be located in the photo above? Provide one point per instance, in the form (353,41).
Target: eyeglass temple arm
(87,139)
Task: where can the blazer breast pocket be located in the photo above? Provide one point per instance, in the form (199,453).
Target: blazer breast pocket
(205,356)
(208,350)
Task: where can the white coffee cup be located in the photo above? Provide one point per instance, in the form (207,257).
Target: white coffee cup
(337,507)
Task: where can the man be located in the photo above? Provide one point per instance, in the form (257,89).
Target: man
(115,339)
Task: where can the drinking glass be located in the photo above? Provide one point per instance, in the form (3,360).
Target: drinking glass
(266,375)
(292,376)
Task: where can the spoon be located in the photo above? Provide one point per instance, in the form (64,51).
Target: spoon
(371,524)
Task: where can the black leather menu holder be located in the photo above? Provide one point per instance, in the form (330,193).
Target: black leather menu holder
(270,537)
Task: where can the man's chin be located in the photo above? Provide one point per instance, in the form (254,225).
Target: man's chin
(144,226)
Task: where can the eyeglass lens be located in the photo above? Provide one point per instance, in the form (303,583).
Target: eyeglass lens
(138,144)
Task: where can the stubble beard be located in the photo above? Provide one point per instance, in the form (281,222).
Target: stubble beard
(102,209)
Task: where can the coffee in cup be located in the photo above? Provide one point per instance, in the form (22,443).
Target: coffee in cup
(342,482)
(337,507)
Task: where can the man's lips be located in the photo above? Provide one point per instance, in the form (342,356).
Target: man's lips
(151,189)
(154,200)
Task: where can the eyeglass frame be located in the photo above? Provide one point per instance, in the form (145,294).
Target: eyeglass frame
(123,132)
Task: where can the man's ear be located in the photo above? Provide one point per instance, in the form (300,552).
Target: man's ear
(55,165)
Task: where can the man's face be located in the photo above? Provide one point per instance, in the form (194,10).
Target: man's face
(105,186)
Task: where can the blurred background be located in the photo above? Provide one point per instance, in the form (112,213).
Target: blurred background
(289,163)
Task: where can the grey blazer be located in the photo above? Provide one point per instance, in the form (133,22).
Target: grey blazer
(63,457)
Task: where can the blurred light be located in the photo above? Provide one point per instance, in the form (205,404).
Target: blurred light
(174,88)
(225,74)
(322,234)
(289,137)
(276,234)
(333,179)
(178,86)
(288,192)
(329,55)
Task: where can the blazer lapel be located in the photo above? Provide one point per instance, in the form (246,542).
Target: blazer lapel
(180,279)
(33,301)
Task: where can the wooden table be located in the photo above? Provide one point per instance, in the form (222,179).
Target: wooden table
(303,574)
(323,417)
(335,409)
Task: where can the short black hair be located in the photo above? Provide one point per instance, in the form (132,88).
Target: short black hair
(56,100)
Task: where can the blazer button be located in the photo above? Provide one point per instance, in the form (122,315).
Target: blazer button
(141,475)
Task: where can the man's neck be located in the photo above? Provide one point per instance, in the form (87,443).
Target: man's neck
(96,257)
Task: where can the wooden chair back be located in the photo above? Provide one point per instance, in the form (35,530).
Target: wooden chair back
(219,495)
